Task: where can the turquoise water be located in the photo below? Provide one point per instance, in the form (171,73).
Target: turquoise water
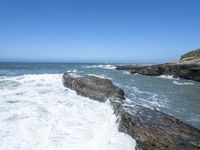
(34,105)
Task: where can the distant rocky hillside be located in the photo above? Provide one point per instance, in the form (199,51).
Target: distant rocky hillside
(188,67)
(192,57)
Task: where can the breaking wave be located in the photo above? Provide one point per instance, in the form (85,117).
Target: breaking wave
(182,83)
(100,66)
(167,77)
(37,112)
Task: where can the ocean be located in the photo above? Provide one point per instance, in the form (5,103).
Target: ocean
(38,113)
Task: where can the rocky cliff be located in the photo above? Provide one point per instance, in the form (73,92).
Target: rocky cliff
(152,129)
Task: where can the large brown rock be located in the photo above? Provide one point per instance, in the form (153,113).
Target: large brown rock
(92,87)
(152,129)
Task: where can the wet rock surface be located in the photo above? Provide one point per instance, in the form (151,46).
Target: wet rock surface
(151,128)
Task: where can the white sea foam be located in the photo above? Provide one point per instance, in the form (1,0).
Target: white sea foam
(38,113)
(100,66)
(100,76)
(176,81)
(167,77)
(73,71)
(145,98)
(182,83)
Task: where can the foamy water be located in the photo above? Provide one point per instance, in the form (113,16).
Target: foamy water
(182,83)
(176,81)
(100,66)
(38,113)
(167,77)
(147,99)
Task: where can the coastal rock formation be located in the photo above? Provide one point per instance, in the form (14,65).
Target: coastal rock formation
(150,128)
(191,57)
(92,87)
(188,67)
(155,130)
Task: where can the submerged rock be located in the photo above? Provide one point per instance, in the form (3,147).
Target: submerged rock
(188,67)
(152,129)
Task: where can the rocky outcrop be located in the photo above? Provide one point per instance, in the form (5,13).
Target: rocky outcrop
(155,130)
(92,87)
(188,67)
(150,128)
(185,71)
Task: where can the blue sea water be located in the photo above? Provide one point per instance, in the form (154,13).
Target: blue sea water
(37,112)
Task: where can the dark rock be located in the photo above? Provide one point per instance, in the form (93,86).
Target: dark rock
(152,129)
(127,67)
(145,70)
(186,71)
(92,87)
(188,67)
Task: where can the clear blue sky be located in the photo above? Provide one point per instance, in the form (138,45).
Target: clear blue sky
(142,31)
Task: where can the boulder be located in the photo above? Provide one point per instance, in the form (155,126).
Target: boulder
(150,128)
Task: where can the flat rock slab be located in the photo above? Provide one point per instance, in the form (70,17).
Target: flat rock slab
(93,87)
(152,129)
